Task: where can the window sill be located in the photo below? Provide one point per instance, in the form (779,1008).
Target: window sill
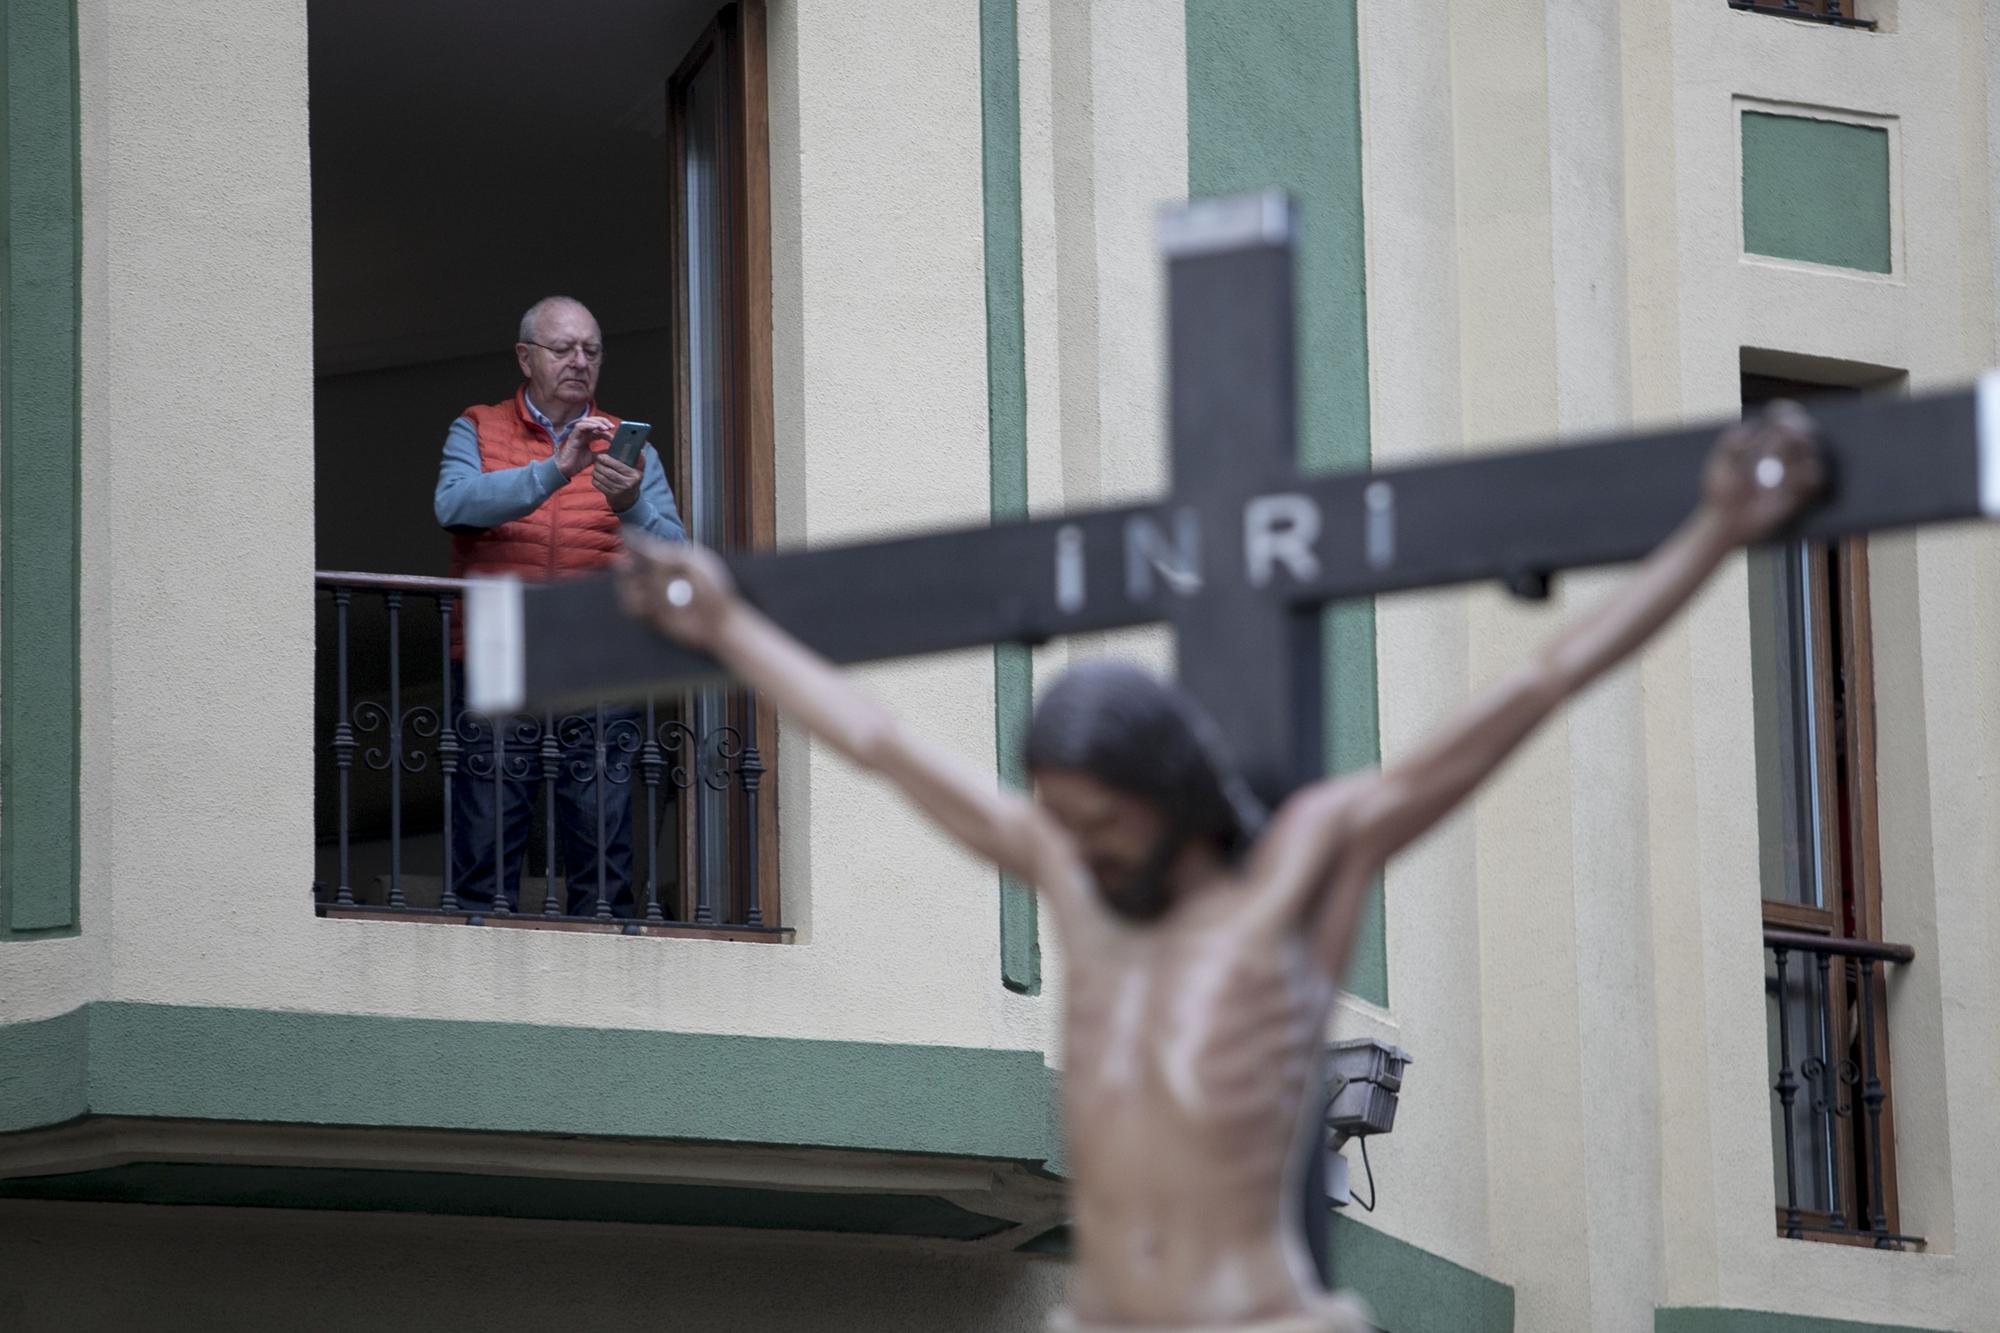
(669,930)
(1778,11)
(1818,1228)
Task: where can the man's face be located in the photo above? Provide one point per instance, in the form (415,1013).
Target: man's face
(566,377)
(1125,841)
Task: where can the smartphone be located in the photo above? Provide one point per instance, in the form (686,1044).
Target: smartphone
(628,440)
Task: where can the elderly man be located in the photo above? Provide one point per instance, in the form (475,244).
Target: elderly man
(525,488)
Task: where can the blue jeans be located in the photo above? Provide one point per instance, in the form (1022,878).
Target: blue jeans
(492,812)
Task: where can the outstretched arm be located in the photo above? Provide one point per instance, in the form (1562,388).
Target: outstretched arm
(685,592)
(1338,833)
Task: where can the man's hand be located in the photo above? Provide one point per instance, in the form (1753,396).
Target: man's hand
(680,589)
(573,455)
(619,483)
(1762,472)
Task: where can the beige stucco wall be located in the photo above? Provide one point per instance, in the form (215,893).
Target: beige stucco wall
(83,1268)
(1554,248)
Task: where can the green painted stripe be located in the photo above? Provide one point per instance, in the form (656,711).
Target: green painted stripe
(1013,700)
(1691,1320)
(40,313)
(1274,98)
(357,1069)
(1816,190)
(454,1194)
(1007,430)
(44,1071)
(1411,1290)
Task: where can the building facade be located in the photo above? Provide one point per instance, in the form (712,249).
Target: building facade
(1702,981)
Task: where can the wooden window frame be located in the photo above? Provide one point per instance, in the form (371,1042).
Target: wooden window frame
(736,37)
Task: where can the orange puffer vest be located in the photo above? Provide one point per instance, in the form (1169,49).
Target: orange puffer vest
(573,532)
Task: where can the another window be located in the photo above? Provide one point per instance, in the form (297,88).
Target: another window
(418,284)
(1833,1128)
(722,461)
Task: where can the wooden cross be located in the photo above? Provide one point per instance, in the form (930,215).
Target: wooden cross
(1245,552)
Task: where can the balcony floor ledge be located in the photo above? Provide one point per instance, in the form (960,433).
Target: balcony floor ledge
(989,1204)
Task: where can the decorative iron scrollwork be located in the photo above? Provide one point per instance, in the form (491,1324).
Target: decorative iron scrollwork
(395,723)
(422,722)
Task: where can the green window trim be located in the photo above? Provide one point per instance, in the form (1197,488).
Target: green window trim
(40,432)
(1007,432)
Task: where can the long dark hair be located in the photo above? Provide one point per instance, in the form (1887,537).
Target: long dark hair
(1145,737)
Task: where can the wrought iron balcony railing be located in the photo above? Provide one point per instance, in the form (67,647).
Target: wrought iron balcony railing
(645,816)
(1829,1026)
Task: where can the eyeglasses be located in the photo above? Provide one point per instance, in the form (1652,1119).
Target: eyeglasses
(592,353)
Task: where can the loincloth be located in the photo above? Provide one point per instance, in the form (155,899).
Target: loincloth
(1340,1313)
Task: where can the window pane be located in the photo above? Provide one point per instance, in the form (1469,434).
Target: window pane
(701,180)
(702,184)
(1791,806)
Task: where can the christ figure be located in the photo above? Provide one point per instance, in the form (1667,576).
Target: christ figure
(1204,940)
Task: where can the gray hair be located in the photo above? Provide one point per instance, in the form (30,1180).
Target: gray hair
(531,321)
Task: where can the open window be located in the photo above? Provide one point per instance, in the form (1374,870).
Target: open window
(720,217)
(469,158)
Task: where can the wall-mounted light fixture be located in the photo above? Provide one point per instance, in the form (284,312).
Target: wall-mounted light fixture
(1364,1079)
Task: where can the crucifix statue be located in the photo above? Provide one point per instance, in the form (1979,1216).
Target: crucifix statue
(1205,941)
(1206,877)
